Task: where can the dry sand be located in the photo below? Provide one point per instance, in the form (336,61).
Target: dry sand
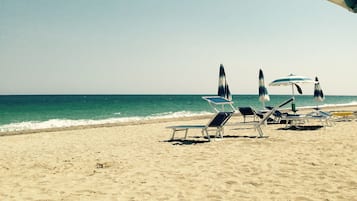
(137,162)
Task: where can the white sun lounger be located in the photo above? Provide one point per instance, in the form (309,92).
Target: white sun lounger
(300,119)
(257,125)
(217,123)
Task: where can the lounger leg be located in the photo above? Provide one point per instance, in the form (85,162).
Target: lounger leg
(220,132)
(173,134)
(186,131)
(203,132)
(208,137)
(260,131)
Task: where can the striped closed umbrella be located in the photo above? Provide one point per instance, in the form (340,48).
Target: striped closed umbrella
(223,89)
(318,94)
(263,91)
(350,5)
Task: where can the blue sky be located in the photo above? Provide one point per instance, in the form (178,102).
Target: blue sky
(173,46)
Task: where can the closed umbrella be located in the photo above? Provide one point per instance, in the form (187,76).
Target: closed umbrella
(318,94)
(223,89)
(263,91)
(350,5)
(293,81)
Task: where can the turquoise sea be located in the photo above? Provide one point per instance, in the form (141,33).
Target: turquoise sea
(23,112)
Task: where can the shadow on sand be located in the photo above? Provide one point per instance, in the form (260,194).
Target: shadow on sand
(302,128)
(201,140)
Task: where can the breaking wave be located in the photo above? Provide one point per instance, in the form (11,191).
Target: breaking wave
(65,123)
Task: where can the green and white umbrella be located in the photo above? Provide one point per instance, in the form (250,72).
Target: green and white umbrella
(293,81)
(350,5)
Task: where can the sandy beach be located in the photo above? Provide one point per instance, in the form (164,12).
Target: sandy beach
(137,162)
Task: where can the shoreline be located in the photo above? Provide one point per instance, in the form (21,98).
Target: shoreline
(303,110)
(90,126)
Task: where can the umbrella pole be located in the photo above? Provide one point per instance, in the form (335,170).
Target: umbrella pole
(292,88)
(293,108)
(266,121)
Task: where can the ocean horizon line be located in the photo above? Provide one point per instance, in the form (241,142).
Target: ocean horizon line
(159,94)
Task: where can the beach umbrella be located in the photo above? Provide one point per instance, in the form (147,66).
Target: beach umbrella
(350,5)
(318,94)
(263,91)
(223,89)
(293,81)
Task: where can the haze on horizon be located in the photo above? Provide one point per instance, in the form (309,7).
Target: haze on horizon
(173,47)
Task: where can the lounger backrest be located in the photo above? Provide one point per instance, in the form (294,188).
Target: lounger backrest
(324,113)
(267,115)
(220,119)
(246,110)
(277,113)
(284,103)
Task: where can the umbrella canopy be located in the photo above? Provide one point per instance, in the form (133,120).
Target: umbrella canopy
(350,5)
(292,80)
(223,89)
(318,94)
(263,91)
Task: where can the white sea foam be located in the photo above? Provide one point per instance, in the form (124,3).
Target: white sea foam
(63,123)
(177,114)
(353,103)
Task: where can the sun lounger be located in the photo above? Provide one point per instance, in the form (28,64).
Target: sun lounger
(277,115)
(257,125)
(249,111)
(297,120)
(324,117)
(343,115)
(216,123)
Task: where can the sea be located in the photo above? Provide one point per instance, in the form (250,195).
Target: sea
(31,112)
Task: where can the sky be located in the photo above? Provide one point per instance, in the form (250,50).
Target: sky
(173,46)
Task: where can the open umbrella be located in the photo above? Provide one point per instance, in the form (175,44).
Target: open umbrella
(223,89)
(318,94)
(263,91)
(350,5)
(293,81)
